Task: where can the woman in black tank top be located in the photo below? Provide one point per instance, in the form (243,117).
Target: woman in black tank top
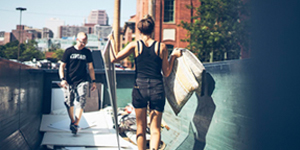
(151,58)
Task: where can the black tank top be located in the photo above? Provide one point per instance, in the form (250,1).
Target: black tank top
(148,64)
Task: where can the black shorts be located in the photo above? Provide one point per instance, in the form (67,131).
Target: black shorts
(149,91)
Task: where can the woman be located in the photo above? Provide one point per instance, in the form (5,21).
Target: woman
(151,57)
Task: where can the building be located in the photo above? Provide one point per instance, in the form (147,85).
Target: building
(167,16)
(47,33)
(128,31)
(22,35)
(93,43)
(102,32)
(36,33)
(90,27)
(2,37)
(127,35)
(98,17)
(53,24)
(71,31)
(6,37)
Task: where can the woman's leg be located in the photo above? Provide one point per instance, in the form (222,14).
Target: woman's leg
(155,125)
(141,122)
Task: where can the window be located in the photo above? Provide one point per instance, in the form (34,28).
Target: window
(169,11)
(170,48)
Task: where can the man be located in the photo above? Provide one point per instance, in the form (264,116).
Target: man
(75,81)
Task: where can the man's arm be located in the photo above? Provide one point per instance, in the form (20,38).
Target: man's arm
(62,76)
(92,75)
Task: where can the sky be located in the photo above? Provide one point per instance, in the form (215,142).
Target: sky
(73,12)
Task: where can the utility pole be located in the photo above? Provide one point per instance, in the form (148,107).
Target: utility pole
(151,11)
(20,31)
(116,24)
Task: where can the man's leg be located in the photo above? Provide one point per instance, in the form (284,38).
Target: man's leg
(78,115)
(71,115)
(69,103)
(82,93)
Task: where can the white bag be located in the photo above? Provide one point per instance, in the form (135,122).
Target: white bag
(185,78)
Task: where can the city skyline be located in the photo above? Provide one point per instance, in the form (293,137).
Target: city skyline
(70,12)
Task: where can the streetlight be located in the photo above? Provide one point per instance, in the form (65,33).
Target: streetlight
(21,9)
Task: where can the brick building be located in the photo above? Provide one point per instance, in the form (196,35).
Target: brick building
(167,16)
(21,34)
(128,31)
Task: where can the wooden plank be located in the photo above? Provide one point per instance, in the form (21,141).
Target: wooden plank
(111,148)
(98,121)
(68,139)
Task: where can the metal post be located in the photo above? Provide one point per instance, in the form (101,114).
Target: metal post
(20,32)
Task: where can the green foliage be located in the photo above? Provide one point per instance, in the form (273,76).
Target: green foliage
(218,27)
(58,54)
(2,48)
(30,51)
(27,51)
(11,52)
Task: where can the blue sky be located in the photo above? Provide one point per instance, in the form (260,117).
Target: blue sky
(72,12)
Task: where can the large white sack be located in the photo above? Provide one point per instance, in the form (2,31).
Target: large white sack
(185,78)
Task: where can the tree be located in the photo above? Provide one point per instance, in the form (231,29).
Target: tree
(218,27)
(2,51)
(9,50)
(58,54)
(30,51)
(27,51)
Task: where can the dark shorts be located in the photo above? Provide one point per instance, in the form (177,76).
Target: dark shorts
(149,91)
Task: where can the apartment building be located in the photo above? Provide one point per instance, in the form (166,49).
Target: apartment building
(98,17)
(70,31)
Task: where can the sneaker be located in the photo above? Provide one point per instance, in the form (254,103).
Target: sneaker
(71,126)
(74,128)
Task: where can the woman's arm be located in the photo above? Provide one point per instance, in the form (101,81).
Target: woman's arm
(115,57)
(167,65)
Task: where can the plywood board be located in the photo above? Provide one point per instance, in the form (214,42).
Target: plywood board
(97,121)
(84,139)
(113,148)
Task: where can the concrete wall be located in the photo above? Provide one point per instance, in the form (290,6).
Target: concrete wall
(21,91)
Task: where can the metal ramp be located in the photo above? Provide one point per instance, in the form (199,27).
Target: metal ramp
(97,132)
